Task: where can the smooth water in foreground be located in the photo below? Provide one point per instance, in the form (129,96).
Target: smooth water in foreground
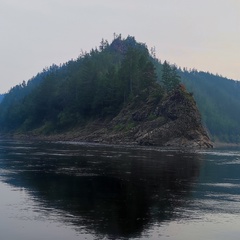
(60,191)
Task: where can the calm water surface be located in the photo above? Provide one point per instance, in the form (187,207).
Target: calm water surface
(83,191)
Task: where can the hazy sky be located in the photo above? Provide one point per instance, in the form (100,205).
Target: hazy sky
(201,34)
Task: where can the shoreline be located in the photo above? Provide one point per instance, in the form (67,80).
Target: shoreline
(75,137)
(127,145)
(72,137)
(222,144)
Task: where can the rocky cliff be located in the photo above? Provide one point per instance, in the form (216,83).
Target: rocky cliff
(150,119)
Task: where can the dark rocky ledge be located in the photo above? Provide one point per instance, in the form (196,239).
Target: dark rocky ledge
(174,122)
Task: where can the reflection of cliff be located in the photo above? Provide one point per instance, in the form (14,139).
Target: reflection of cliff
(117,196)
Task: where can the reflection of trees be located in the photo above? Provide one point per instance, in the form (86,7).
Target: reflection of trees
(118,197)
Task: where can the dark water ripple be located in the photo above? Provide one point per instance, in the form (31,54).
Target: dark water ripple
(88,191)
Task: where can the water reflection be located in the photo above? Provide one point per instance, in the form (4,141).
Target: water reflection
(108,191)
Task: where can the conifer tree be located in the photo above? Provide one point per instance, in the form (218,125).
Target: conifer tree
(170,77)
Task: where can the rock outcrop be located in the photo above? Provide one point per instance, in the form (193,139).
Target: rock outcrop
(173,120)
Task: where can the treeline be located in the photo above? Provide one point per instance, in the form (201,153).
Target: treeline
(218,100)
(96,85)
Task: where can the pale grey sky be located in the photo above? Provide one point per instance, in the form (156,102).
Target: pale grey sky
(201,34)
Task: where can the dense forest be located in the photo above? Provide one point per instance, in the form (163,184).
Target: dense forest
(94,86)
(98,84)
(1,97)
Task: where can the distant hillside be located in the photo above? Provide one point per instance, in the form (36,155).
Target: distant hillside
(218,99)
(115,81)
(1,97)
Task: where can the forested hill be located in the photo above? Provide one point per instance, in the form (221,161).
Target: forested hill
(218,100)
(95,85)
(1,97)
(111,94)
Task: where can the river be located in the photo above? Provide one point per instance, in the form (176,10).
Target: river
(60,191)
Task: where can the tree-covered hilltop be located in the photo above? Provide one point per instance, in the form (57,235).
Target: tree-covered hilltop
(94,86)
(218,100)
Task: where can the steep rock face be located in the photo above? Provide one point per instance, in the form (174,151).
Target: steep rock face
(182,126)
(172,121)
